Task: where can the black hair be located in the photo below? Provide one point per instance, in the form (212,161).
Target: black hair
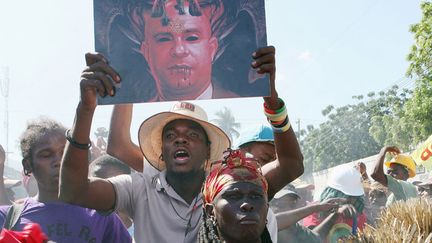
(99,166)
(35,130)
(209,233)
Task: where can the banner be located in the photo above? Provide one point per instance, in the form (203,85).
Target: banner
(423,154)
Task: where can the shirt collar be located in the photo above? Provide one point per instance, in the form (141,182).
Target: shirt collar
(207,94)
(161,185)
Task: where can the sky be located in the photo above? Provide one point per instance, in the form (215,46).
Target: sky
(326,52)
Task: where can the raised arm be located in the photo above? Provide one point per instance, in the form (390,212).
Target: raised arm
(378,173)
(289,218)
(120,144)
(289,163)
(75,186)
(4,200)
(324,227)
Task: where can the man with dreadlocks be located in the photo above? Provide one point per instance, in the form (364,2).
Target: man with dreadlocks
(235,202)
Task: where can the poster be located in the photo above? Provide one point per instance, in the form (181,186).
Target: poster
(423,154)
(166,50)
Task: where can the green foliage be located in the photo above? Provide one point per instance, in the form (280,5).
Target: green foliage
(420,56)
(359,130)
(419,107)
(392,117)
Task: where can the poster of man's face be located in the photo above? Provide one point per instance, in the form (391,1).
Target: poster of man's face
(166,50)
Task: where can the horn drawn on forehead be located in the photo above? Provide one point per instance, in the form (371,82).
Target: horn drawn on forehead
(194,8)
(159,9)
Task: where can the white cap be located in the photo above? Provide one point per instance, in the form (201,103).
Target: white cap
(347,180)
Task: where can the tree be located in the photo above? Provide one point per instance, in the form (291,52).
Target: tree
(358,130)
(226,121)
(342,138)
(419,108)
(390,125)
(392,117)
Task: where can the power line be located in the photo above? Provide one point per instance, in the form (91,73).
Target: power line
(330,135)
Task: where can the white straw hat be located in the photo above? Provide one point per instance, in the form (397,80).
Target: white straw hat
(150,132)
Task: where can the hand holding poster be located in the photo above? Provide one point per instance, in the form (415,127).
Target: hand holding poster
(423,154)
(168,50)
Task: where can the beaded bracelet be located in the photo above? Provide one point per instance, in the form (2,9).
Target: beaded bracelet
(278,119)
(282,129)
(74,143)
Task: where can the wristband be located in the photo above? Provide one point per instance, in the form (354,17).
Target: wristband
(74,143)
(278,119)
(282,129)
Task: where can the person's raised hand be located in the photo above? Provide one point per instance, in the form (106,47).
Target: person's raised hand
(393,150)
(264,61)
(347,210)
(97,78)
(331,203)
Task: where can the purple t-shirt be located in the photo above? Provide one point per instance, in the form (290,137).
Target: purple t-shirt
(63,222)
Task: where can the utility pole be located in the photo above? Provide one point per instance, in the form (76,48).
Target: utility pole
(4,88)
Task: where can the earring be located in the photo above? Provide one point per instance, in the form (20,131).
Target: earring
(26,172)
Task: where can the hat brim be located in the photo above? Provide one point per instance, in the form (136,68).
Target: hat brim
(355,192)
(256,141)
(410,172)
(150,137)
(287,194)
(281,194)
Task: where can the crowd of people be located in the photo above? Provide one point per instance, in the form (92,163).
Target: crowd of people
(198,188)
(185,181)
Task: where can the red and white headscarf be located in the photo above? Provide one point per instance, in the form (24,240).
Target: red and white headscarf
(235,167)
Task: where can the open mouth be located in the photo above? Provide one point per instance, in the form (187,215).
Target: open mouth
(181,155)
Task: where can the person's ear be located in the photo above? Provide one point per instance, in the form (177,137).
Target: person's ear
(213,45)
(27,167)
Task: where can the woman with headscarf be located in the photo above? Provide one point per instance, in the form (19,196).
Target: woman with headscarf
(235,202)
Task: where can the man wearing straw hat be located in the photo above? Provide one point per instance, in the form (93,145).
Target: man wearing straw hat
(181,144)
(400,168)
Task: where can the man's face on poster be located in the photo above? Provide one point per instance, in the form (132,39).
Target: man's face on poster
(179,54)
